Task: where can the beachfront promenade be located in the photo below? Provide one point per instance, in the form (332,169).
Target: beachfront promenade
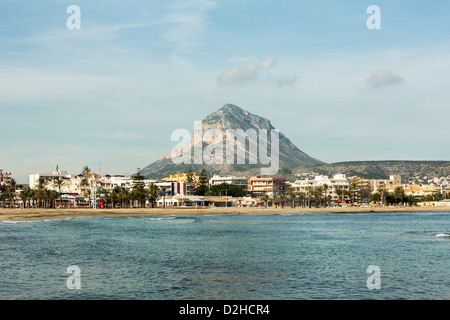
(32,214)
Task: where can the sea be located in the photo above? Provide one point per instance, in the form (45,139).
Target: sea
(304,256)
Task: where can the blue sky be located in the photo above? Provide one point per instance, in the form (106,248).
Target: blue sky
(113,91)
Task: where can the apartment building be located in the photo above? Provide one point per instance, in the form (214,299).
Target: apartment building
(4,177)
(330,185)
(257,186)
(239,181)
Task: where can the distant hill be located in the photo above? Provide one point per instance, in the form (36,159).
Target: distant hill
(382,169)
(233,117)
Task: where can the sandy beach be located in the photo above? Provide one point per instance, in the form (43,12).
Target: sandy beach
(33,214)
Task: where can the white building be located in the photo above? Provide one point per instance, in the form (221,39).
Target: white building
(240,181)
(338,181)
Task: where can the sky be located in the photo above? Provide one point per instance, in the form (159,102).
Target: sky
(109,91)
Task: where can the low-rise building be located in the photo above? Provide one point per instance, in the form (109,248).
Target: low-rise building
(334,187)
(258,186)
(239,181)
(181,177)
(385,183)
(5,177)
(415,190)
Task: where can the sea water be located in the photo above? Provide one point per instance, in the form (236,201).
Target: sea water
(210,257)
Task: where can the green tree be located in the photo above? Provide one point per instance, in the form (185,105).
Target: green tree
(325,193)
(190,177)
(226,189)
(309,190)
(399,195)
(50,197)
(58,184)
(12,184)
(153,194)
(138,179)
(123,197)
(202,186)
(115,196)
(384,194)
(266,199)
(318,195)
(139,193)
(6,194)
(40,192)
(83,184)
(85,170)
(26,195)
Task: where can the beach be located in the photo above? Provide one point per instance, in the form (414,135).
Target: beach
(33,214)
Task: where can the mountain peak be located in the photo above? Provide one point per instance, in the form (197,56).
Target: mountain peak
(233,117)
(231,107)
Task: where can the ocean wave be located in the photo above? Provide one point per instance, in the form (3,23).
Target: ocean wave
(161,218)
(20,221)
(443,235)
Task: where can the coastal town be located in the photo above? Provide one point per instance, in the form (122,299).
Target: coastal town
(87,189)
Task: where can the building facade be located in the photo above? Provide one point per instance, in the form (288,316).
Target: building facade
(239,181)
(257,186)
(5,177)
(385,183)
(334,187)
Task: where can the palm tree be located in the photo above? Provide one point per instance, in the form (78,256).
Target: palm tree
(265,198)
(115,195)
(58,184)
(51,196)
(40,191)
(153,194)
(12,184)
(293,198)
(83,184)
(87,194)
(308,193)
(325,191)
(276,200)
(282,198)
(6,194)
(318,193)
(26,195)
(384,194)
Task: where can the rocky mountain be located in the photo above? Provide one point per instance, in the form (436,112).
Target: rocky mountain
(234,118)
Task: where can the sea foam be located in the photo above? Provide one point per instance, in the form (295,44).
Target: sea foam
(443,235)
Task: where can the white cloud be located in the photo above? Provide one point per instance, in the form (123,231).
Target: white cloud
(384,77)
(247,73)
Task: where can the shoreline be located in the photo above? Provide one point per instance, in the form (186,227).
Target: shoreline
(38,214)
